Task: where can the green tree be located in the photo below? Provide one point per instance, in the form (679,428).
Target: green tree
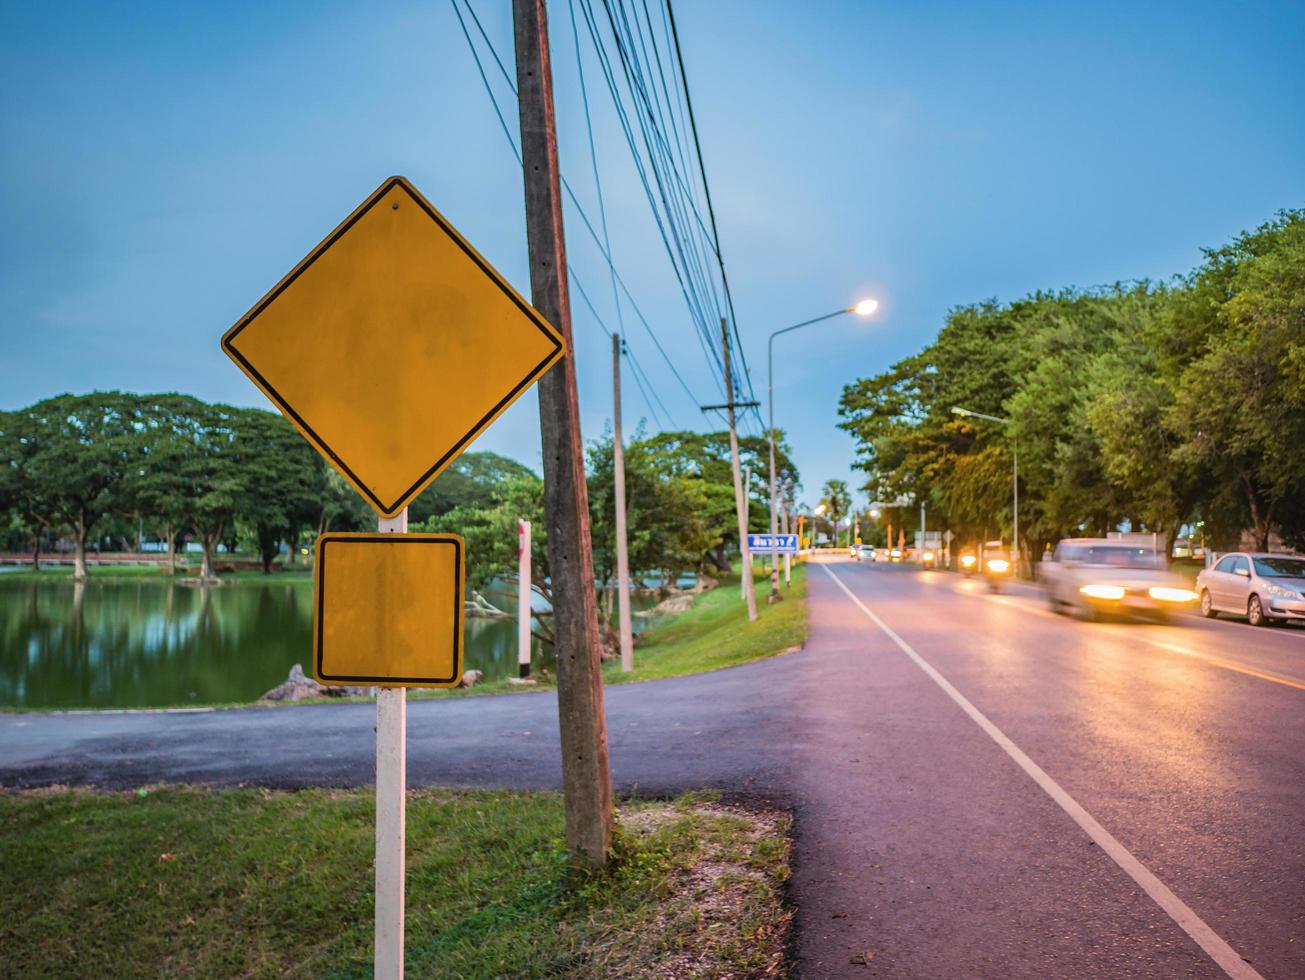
(68,461)
(1239,400)
(668,530)
(838,501)
(280,483)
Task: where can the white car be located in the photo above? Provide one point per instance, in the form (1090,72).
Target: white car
(1091,576)
(1264,588)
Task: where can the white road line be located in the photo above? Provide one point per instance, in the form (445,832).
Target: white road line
(1178,910)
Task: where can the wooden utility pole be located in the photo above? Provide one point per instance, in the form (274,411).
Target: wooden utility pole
(586,776)
(622,544)
(740,501)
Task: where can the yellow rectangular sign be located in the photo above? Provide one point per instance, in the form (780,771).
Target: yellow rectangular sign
(388,609)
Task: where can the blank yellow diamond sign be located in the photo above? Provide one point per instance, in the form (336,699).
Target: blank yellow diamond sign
(388,609)
(393,345)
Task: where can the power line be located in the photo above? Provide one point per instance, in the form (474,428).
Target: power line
(570,193)
(711,210)
(609,77)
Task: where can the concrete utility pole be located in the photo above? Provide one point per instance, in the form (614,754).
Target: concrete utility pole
(586,775)
(740,501)
(622,545)
(524,611)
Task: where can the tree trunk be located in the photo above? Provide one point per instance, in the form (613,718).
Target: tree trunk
(79,554)
(36,550)
(172,562)
(206,572)
(1261,519)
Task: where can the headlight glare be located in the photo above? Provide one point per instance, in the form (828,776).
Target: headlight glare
(1103,591)
(1167,594)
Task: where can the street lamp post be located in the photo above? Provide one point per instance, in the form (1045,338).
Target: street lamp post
(863,308)
(1015,480)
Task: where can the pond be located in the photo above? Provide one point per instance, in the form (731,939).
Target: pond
(120,643)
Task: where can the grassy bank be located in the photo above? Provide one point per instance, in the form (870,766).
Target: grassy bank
(154,573)
(712,633)
(181,881)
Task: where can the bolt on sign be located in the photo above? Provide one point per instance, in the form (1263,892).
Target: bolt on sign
(396,609)
(393,345)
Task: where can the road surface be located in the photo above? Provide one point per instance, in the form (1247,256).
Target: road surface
(980,787)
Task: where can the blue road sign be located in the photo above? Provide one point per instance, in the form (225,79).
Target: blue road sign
(783,543)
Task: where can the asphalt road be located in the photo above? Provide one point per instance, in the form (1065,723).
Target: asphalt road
(980,787)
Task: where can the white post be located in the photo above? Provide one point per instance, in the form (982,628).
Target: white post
(788,564)
(391,810)
(524,612)
(745,553)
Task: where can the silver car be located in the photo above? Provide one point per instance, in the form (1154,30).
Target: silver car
(1093,576)
(1264,588)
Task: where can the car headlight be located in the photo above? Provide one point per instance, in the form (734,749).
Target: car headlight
(1281,591)
(967,560)
(1167,594)
(1103,591)
(998,565)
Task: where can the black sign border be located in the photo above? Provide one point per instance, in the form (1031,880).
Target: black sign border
(319,588)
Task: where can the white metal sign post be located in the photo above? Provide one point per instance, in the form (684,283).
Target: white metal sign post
(391,809)
(523,598)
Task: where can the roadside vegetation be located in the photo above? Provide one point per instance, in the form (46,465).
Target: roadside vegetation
(104,472)
(712,633)
(1160,404)
(183,881)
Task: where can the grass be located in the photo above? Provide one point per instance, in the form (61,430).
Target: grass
(714,632)
(136,573)
(711,634)
(183,881)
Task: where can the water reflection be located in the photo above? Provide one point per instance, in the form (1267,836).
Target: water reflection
(125,644)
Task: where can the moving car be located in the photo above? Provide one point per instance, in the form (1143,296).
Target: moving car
(1264,588)
(867,552)
(1092,576)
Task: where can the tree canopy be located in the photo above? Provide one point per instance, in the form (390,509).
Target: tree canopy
(1152,404)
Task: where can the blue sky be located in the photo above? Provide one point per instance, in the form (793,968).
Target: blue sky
(162,166)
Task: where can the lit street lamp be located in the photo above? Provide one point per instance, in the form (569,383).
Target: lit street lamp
(1015,481)
(863,308)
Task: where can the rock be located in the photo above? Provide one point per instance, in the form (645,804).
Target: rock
(522,681)
(471,678)
(675,604)
(299,686)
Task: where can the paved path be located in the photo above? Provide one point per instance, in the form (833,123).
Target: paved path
(924,848)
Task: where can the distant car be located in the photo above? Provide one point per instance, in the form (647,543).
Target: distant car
(867,552)
(1264,588)
(1091,576)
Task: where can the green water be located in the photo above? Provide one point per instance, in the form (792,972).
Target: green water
(119,643)
(125,644)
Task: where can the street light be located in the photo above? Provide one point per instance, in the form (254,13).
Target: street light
(1015,479)
(864,308)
